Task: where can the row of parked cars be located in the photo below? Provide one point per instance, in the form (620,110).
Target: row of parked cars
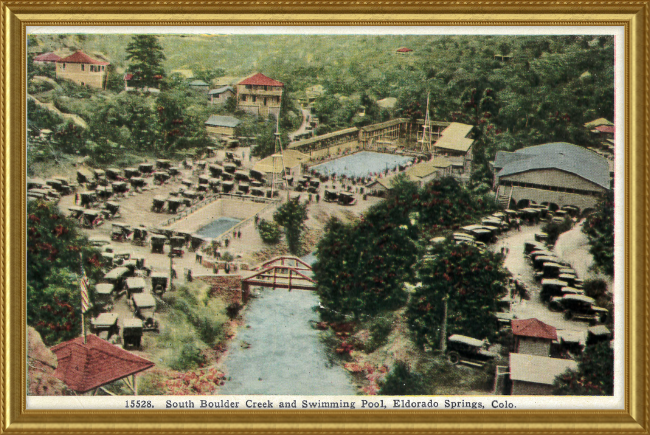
(561,289)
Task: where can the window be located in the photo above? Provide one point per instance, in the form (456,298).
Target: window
(266,89)
(265,101)
(243,97)
(249,87)
(82,67)
(254,98)
(103,67)
(64,67)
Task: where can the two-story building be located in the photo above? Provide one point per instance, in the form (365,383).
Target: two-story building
(260,95)
(556,173)
(456,143)
(82,69)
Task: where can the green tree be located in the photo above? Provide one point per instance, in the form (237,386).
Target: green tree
(269,231)
(401,381)
(594,375)
(292,216)
(445,204)
(362,267)
(55,247)
(599,227)
(146,56)
(469,280)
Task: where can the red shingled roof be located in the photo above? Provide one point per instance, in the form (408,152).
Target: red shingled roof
(81,57)
(605,128)
(128,76)
(533,328)
(47,57)
(403,50)
(84,367)
(261,80)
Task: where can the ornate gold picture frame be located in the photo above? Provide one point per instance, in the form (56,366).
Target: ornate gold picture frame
(18,15)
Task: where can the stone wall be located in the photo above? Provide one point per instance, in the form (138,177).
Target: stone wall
(228,287)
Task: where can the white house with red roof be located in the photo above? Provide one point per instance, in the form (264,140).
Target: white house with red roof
(82,69)
(533,337)
(260,95)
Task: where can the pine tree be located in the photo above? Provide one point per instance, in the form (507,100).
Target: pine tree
(145,55)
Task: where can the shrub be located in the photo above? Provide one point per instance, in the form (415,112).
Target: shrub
(269,231)
(189,357)
(227,257)
(233,310)
(380,329)
(554,229)
(401,381)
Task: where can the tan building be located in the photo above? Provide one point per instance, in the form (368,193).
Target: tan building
(290,162)
(533,337)
(557,173)
(221,95)
(533,375)
(260,95)
(82,69)
(456,144)
(221,126)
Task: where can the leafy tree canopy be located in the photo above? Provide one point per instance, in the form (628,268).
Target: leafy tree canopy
(472,281)
(594,375)
(599,227)
(55,247)
(146,56)
(292,216)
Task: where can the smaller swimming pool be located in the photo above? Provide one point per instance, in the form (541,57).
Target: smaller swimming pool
(218,227)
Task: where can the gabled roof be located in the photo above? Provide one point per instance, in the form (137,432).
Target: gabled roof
(597,122)
(261,80)
(454,137)
(538,369)
(222,121)
(47,57)
(533,328)
(221,90)
(198,83)
(560,155)
(128,76)
(84,367)
(81,57)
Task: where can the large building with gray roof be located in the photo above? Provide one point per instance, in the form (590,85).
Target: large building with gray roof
(556,173)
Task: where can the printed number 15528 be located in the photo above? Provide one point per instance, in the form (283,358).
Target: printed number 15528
(139,404)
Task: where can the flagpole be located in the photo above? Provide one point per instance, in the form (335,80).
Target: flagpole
(83,319)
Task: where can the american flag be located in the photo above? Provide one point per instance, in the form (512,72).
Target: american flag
(83,283)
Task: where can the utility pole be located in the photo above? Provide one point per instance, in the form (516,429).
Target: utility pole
(171,270)
(443,334)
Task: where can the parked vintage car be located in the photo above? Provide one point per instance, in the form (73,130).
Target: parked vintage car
(468,350)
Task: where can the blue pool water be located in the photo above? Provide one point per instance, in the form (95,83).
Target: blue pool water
(361,164)
(218,227)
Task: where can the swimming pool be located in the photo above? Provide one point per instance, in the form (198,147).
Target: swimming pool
(218,227)
(361,164)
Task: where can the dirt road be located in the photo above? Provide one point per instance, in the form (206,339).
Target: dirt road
(518,265)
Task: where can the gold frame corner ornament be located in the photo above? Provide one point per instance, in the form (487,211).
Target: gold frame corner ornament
(17,15)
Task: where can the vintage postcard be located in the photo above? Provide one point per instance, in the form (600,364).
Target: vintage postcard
(325,218)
